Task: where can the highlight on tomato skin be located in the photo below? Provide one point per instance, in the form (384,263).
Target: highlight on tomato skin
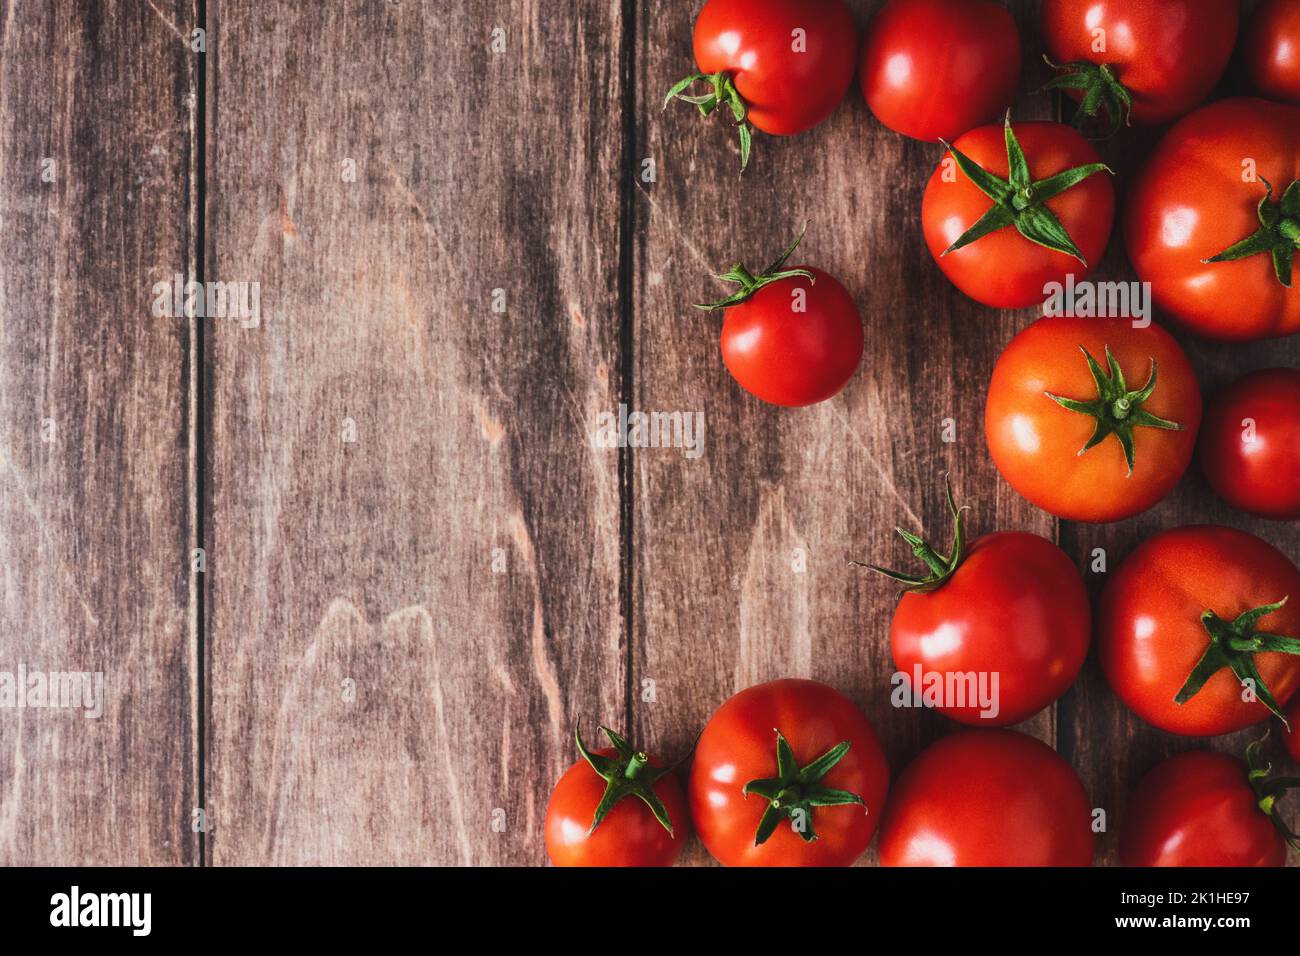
(1271,45)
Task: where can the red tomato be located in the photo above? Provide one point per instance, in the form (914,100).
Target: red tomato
(1272,45)
(1047,404)
(987,798)
(932,69)
(1162,57)
(1004,623)
(1250,443)
(788,773)
(1004,268)
(1197,197)
(1199,809)
(628,833)
(1173,625)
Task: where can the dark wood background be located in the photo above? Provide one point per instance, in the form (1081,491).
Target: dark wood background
(478,571)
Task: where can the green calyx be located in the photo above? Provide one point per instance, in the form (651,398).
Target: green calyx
(795,791)
(1101,91)
(939,567)
(1234,644)
(1267,792)
(1278,233)
(723,93)
(1118,410)
(750,283)
(628,775)
(1021,201)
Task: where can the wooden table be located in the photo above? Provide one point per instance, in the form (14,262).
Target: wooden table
(418,571)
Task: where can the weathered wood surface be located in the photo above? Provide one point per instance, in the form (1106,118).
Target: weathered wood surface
(95,138)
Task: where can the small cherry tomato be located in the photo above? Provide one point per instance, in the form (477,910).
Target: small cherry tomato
(1272,49)
(987,798)
(932,69)
(1250,443)
(616,807)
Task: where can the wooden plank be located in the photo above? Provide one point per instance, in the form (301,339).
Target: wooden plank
(721,604)
(371,561)
(95,140)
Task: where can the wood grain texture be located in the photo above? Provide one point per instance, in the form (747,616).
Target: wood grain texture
(93,469)
(371,561)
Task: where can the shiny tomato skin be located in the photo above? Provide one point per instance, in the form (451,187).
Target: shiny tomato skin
(1189,203)
(1272,49)
(987,798)
(1250,443)
(1150,636)
(1168,53)
(739,744)
(932,69)
(787,91)
(1198,809)
(1004,269)
(792,358)
(1035,442)
(628,836)
(1017,607)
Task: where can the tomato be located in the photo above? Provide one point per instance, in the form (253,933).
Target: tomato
(1190,616)
(790,336)
(616,807)
(1153,59)
(1201,809)
(1196,200)
(1250,443)
(932,69)
(1002,238)
(788,773)
(782,65)
(1272,49)
(1003,623)
(1070,426)
(987,798)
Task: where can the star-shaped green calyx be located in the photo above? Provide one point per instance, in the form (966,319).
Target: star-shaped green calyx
(1118,410)
(750,283)
(1101,90)
(1021,201)
(1267,792)
(795,791)
(940,567)
(1278,233)
(628,775)
(722,92)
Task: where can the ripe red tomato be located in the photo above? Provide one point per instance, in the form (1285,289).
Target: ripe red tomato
(987,798)
(1002,238)
(1272,45)
(1200,809)
(783,65)
(1009,611)
(1250,443)
(1189,617)
(1159,58)
(616,807)
(1215,179)
(790,336)
(788,773)
(932,69)
(1072,427)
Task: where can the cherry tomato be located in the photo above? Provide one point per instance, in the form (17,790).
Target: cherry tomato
(987,798)
(1192,633)
(1208,187)
(1068,216)
(932,69)
(788,773)
(790,336)
(1157,58)
(616,807)
(1092,419)
(1272,49)
(1003,622)
(782,65)
(1200,809)
(1250,443)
